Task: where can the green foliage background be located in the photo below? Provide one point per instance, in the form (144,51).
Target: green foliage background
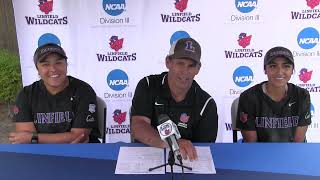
(10,76)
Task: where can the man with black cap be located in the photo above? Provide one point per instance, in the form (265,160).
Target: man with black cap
(57,108)
(275,110)
(178,95)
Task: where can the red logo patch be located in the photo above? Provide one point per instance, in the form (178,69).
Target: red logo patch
(184,118)
(116,43)
(244,40)
(119,116)
(243,117)
(313,3)
(181,5)
(305,75)
(45,6)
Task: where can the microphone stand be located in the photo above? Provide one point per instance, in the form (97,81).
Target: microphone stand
(171,162)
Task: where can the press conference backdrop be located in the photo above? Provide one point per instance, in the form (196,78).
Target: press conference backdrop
(112,44)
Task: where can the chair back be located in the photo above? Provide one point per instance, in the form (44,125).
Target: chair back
(102,114)
(234,110)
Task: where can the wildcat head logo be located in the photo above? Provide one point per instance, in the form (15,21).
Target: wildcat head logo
(119,116)
(116,43)
(243,117)
(305,75)
(46,6)
(313,3)
(181,5)
(244,40)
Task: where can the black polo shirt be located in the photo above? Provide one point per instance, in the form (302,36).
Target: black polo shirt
(273,121)
(196,116)
(74,107)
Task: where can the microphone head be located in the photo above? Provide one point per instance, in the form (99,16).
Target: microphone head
(166,127)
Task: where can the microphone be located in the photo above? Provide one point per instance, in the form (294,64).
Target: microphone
(169,132)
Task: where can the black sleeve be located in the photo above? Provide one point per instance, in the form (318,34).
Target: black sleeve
(207,129)
(22,111)
(246,112)
(86,108)
(305,115)
(142,103)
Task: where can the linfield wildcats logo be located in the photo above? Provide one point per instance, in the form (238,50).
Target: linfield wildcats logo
(119,127)
(181,5)
(313,3)
(117,54)
(116,43)
(46,6)
(244,40)
(46,16)
(119,117)
(305,75)
(180,15)
(312,12)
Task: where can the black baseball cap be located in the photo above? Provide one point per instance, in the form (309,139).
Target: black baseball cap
(278,52)
(43,51)
(186,48)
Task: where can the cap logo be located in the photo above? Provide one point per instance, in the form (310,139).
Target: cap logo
(49,49)
(280,53)
(190,47)
(92,108)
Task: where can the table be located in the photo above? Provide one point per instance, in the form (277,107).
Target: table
(241,161)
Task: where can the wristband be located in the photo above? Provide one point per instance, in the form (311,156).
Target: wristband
(34,139)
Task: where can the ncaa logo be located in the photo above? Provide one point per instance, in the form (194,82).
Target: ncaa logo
(48,38)
(243,76)
(178,35)
(308,38)
(246,6)
(114,7)
(117,80)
